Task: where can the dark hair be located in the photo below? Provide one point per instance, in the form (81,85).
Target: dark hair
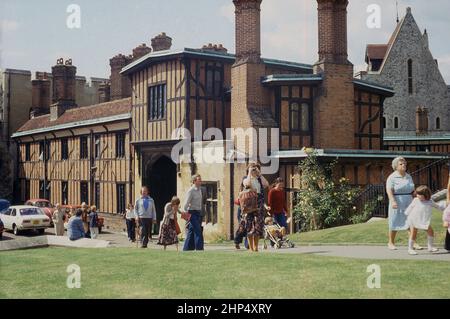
(277,181)
(79,212)
(424,191)
(175,201)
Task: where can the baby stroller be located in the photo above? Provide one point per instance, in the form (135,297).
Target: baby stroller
(276,236)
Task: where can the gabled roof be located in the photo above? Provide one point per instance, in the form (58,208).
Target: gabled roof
(158,56)
(80,116)
(393,38)
(376,52)
(374,87)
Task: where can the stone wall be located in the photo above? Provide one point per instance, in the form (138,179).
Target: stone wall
(429,87)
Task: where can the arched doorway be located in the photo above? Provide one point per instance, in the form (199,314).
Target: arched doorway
(161,178)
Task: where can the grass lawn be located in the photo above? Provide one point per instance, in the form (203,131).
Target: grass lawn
(368,233)
(136,273)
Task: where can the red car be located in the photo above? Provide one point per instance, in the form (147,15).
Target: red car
(43,204)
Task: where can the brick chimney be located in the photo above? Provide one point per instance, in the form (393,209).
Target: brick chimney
(249,100)
(214,48)
(40,95)
(161,42)
(421,121)
(120,85)
(248,30)
(64,88)
(104,92)
(140,51)
(334,112)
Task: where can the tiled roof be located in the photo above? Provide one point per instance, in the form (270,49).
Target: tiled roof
(376,51)
(79,115)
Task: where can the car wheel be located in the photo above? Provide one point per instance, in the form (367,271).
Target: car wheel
(16,230)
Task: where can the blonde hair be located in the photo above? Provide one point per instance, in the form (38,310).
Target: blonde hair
(194,178)
(93,208)
(397,161)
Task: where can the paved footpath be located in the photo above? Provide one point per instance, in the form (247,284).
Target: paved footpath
(119,240)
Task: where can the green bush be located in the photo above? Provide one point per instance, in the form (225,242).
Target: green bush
(322,201)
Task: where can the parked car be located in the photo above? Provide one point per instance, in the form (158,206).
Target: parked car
(4,204)
(45,205)
(19,218)
(2,228)
(72,208)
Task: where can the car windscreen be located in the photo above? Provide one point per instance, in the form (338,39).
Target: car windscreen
(30,212)
(43,204)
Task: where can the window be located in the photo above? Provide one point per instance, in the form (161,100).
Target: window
(13,212)
(97,146)
(211,203)
(84,192)
(41,151)
(438,123)
(27,152)
(396,125)
(384,122)
(84,152)
(48,191)
(97,195)
(8,212)
(120,145)
(42,190)
(65,193)
(44,150)
(64,149)
(121,198)
(157,102)
(299,117)
(214,85)
(27,190)
(410,77)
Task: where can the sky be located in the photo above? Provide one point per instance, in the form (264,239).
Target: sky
(34,34)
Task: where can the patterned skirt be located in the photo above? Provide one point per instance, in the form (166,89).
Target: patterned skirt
(252,224)
(168,234)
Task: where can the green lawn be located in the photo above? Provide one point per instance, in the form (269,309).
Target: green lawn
(368,233)
(136,273)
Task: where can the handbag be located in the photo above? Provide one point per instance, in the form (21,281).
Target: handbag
(248,200)
(186,216)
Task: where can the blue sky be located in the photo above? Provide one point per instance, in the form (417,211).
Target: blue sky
(34,34)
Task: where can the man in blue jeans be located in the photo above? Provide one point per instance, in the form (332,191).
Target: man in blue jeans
(193,205)
(145,213)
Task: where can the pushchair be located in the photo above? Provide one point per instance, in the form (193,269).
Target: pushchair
(276,236)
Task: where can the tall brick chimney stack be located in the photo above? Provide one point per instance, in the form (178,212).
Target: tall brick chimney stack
(40,94)
(161,42)
(64,88)
(104,91)
(120,85)
(249,100)
(335,111)
(248,30)
(140,51)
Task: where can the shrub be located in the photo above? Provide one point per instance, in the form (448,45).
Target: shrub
(322,201)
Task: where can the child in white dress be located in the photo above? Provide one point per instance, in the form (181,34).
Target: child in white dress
(419,215)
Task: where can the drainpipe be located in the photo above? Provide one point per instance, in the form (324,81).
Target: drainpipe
(45,168)
(232,200)
(130,164)
(91,163)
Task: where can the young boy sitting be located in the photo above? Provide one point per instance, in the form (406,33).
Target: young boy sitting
(274,230)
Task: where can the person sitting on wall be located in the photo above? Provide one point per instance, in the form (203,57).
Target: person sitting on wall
(75,229)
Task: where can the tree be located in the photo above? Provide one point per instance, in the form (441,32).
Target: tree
(5,173)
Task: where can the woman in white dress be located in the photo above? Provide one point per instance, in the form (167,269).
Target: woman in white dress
(419,215)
